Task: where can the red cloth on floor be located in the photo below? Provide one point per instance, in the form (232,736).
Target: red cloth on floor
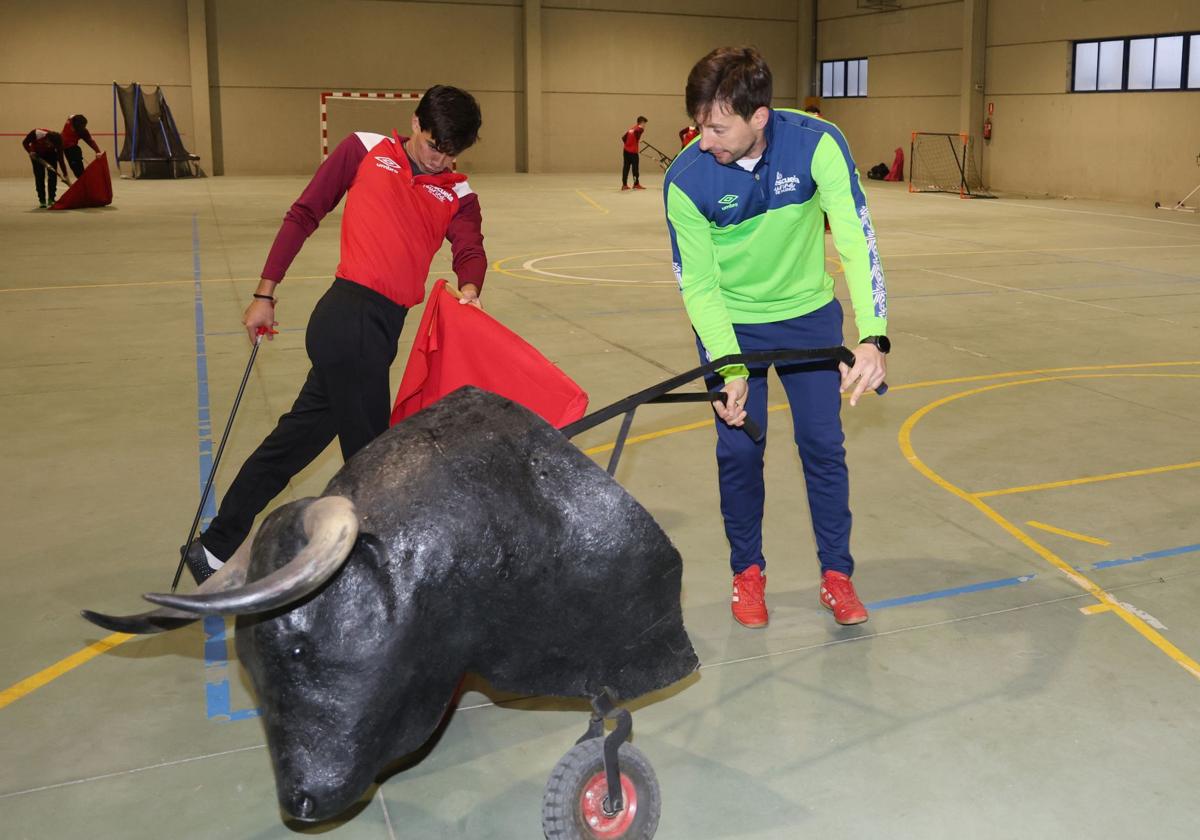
(91,189)
(459,345)
(897,171)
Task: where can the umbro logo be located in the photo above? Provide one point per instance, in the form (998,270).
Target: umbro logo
(387,163)
(728,202)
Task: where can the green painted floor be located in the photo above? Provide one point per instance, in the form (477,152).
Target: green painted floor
(1036,456)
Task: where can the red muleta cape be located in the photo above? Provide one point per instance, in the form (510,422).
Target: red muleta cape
(459,345)
(91,189)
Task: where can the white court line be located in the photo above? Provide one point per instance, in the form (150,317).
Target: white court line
(131,771)
(1192,225)
(1045,295)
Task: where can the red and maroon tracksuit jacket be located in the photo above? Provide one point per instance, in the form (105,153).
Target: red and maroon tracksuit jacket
(71,138)
(393,223)
(633,139)
(38,141)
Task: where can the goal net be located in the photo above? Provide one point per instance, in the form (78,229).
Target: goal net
(344,112)
(944,163)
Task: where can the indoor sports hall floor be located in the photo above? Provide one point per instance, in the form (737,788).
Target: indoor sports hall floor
(1036,462)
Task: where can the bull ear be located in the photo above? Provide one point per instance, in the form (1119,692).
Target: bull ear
(230,576)
(330,527)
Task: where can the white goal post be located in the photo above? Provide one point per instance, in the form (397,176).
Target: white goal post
(358,96)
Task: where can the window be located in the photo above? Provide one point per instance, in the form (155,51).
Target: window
(844,77)
(1194,64)
(1154,62)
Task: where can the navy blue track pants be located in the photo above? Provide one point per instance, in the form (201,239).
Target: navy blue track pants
(815,402)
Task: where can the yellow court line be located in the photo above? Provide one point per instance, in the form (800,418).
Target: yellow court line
(1091,479)
(1062,532)
(589,200)
(1083,582)
(31,684)
(26,686)
(1095,609)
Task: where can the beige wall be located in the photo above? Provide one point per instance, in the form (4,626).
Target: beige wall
(602,63)
(51,68)
(914,67)
(601,69)
(1046,141)
(269,76)
(1136,146)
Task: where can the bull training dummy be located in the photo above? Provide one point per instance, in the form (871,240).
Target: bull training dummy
(471,537)
(402,199)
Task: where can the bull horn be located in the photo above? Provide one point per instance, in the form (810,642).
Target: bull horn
(330,526)
(230,576)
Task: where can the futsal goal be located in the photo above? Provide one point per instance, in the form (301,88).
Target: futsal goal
(944,163)
(346,111)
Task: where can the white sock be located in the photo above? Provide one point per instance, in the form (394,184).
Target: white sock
(213,562)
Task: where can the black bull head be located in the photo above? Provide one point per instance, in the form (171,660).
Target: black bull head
(471,537)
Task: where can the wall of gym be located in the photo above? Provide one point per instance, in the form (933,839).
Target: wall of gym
(593,66)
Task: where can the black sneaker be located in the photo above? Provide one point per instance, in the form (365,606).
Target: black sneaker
(197,561)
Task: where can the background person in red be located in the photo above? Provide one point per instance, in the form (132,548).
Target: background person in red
(48,146)
(687,134)
(403,199)
(631,142)
(73,131)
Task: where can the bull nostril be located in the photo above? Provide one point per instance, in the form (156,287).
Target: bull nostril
(304,806)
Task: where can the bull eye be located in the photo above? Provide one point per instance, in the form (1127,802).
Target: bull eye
(298,652)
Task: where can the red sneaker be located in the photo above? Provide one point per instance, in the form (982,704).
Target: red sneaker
(749,604)
(624,187)
(638,187)
(837,594)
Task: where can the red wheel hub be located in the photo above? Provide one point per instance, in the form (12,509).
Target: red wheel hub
(591,805)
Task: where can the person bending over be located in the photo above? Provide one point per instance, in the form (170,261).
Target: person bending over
(402,199)
(744,206)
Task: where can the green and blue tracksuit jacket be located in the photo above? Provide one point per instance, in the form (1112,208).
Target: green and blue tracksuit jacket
(749,247)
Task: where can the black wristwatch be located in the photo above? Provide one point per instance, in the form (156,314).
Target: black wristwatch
(880,341)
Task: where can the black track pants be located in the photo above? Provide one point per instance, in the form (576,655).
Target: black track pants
(631,162)
(351,341)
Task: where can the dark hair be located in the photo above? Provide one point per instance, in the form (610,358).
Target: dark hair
(642,120)
(79,123)
(452,118)
(55,139)
(736,77)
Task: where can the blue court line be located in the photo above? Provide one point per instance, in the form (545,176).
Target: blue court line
(216,646)
(949,593)
(1014,581)
(1141,558)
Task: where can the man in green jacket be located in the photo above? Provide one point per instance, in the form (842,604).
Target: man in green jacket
(745,207)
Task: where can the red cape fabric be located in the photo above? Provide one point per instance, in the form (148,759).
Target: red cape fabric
(897,171)
(91,189)
(460,345)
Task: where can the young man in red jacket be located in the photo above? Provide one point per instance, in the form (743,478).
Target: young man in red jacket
(402,199)
(45,150)
(631,142)
(73,131)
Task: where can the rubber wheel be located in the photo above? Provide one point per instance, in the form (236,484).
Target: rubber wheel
(572,805)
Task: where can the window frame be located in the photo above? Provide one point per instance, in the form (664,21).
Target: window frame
(845,62)
(1187,56)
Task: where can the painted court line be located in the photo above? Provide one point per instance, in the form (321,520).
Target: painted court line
(48,674)
(1130,616)
(1062,532)
(132,771)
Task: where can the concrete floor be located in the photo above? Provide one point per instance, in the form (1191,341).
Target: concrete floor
(1044,377)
